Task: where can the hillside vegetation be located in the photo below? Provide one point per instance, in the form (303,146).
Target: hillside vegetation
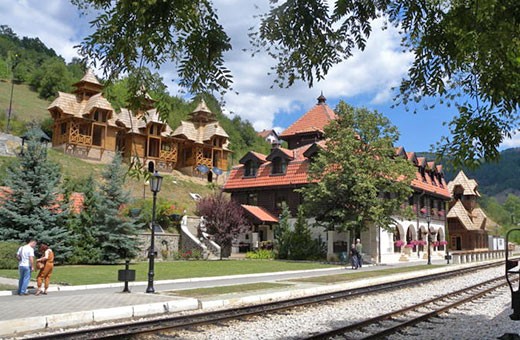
(39,74)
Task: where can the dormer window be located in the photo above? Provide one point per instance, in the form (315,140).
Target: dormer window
(251,168)
(279,166)
(100,116)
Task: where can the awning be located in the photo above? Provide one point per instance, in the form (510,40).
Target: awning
(259,214)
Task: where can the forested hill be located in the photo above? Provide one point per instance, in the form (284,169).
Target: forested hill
(39,73)
(495,179)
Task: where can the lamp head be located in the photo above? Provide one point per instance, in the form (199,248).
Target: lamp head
(155,182)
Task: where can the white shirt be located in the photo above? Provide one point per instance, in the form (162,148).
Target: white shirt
(25,253)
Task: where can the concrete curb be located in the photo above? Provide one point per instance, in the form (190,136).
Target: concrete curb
(14,327)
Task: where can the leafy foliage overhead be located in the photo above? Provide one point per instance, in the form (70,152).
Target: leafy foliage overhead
(466,52)
(130,34)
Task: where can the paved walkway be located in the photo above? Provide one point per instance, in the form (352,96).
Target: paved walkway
(68,305)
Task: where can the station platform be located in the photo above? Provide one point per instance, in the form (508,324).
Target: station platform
(72,306)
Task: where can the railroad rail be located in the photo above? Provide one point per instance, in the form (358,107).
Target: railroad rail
(393,322)
(171,323)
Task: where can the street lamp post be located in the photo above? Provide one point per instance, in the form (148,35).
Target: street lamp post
(155,187)
(428,220)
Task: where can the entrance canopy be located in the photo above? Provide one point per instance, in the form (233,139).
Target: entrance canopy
(259,215)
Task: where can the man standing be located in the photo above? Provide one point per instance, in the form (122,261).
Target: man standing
(25,257)
(359,248)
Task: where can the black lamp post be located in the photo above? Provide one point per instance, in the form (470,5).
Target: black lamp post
(155,187)
(428,220)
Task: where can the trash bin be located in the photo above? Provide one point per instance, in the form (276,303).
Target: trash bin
(126,275)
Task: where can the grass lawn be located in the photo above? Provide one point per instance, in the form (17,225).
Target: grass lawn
(7,287)
(78,275)
(361,274)
(200,292)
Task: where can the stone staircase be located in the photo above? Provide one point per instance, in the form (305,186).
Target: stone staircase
(190,240)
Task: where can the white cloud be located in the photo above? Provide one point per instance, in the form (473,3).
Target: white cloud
(513,142)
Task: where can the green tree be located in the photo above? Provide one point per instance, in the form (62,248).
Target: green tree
(355,170)
(466,53)
(116,233)
(302,246)
(282,234)
(51,77)
(33,207)
(86,248)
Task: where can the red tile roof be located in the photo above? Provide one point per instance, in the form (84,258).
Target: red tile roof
(260,213)
(314,120)
(76,199)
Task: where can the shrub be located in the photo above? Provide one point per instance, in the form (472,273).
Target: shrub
(8,255)
(261,254)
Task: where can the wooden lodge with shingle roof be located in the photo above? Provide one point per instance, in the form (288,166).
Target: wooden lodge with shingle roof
(467,222)
(86,125)
(268,181)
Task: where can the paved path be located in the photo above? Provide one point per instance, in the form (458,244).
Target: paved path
(79,305)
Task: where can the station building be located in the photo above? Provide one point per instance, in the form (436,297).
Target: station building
(262,183)
(87,126)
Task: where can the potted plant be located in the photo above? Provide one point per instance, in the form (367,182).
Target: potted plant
(399,243)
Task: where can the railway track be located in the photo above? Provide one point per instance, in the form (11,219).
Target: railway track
(134,328)
(383,325)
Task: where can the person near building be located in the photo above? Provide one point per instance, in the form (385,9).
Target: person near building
(46,265)
(25,256)
(354,256)
(359,248)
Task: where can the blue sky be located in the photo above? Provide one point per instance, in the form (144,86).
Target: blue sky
(366,79)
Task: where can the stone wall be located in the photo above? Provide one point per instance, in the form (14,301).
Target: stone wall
(166,245)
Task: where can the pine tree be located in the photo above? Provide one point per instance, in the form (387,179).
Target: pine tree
(86,249)
(33,206)
(301,246)
(116,233)
(282,234)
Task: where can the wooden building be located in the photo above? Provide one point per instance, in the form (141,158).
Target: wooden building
(86,125)
(267,181)
(467,222)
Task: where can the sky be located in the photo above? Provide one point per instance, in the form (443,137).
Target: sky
(367,79)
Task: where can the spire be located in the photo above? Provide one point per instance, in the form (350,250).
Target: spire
(88,85)
(321,99)
(202,114)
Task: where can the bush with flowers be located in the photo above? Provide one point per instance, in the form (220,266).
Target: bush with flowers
(421,243)
(443,243)
(192,254)
(399,243)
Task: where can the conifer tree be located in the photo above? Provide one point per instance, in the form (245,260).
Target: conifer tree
(86,249)
(116,233)
(301,246)
(33,206)
(282,234)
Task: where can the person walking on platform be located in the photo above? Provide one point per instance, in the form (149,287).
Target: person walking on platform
(359,248)
(46,265)
(25,256)
(354,256)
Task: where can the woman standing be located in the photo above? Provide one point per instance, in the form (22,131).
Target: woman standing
(354,257)
(46,265)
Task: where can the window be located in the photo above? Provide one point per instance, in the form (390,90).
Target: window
(98,136)
(84,129)
(100,116)
(153,149)
(63,128)
(250,168)
(252,199)
(206,153)
(278,166)
(280,200)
